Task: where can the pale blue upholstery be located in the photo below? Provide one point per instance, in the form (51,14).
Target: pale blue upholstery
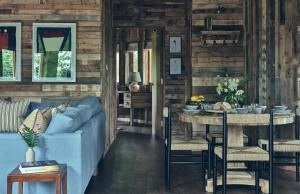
(81,150)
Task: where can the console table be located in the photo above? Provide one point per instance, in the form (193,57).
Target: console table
(134,100)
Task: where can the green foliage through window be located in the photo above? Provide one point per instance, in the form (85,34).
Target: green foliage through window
(8,63)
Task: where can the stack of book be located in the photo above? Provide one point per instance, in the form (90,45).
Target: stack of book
(39,166)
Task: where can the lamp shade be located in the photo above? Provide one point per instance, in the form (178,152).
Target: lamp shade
(134,77)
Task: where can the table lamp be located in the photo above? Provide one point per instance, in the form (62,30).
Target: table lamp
(133,79)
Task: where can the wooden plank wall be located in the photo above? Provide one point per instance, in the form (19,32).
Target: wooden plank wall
(287,42)
(210,61)
(286,53)
(87,15)
(169,15)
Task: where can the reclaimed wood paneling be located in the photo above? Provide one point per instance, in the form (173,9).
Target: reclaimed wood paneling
(208,62)
(87,15)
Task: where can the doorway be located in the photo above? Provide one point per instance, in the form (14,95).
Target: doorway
(138,57)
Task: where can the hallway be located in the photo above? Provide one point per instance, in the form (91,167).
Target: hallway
(134,165)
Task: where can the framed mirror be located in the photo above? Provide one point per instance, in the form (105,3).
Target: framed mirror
(10,48)
(54,52)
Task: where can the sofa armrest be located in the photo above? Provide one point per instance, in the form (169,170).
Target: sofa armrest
(65,148)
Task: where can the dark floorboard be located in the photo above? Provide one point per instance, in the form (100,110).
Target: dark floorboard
(134,165)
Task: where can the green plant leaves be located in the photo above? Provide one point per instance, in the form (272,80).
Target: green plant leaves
(29,136)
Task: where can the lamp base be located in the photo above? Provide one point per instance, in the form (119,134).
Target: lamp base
(134,87)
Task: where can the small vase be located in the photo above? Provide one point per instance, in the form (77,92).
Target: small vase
(30,155)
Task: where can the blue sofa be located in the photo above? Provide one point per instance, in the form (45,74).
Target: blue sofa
(80,147)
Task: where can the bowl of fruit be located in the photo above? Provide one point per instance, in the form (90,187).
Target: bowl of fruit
(194,102)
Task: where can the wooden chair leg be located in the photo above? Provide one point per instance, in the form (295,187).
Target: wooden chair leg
(297,167)
(224,177)
(256,177)
(202,164)
(215,183)
(168,170)
(209,161)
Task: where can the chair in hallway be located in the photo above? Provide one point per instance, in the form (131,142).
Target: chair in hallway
(179,150)
(249,154)
(286,146)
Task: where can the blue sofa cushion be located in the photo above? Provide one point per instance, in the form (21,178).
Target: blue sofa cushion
(85,112)
(39,105)
(91,101)
(66,122)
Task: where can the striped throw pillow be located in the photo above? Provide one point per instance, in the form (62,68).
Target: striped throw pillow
(11,114)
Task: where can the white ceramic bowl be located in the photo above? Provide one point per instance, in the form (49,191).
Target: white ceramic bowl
(279,108)
(257,110)
(191,107)
(242,110)
(263,108)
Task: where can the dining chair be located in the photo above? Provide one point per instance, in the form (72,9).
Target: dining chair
(216,138)
(253,154)
(287,146)
(179,150)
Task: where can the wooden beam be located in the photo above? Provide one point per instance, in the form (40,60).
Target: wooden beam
(272,96)
(188,66)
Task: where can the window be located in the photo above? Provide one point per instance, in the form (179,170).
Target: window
(117,63)
(10,52)
(131,64)
(147,74)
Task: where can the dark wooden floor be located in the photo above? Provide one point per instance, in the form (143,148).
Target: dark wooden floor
(134,165)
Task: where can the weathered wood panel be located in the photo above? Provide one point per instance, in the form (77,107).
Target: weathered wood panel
(87,15)
(208,62)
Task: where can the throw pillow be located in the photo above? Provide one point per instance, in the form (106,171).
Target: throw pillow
(11,115)
(93,102)
(39,105)
(60,109)
(38,120)
(66,122)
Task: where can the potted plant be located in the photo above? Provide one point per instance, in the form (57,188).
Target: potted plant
(30,136)
(233,90)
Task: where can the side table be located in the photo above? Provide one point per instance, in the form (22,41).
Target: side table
(59,177)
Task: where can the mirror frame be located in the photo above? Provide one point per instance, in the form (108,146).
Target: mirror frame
(18,77)
(72,26)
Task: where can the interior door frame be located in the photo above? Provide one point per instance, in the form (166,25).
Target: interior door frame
(160,75)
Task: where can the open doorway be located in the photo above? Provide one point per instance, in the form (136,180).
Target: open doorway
(138,60)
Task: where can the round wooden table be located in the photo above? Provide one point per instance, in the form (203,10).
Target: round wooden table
(236,122)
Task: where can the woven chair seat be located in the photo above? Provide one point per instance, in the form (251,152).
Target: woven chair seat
(247,153)
(282,145)
(219,137)
(194,144)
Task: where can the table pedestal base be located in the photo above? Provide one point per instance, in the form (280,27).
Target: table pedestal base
(239,178)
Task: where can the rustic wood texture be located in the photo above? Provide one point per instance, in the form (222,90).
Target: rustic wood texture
(212,60)
(87,15)
(109,80)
